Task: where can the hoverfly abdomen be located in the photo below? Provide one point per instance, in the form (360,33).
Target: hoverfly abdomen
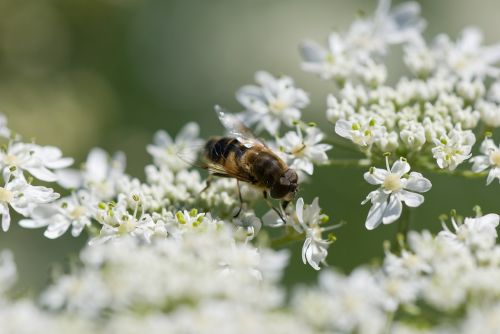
(217,150)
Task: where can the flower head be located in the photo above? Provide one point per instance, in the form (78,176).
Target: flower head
(490,159)
(274,102)
(176,154)
(395,188)
(475,233)
(21,196)
(304,151)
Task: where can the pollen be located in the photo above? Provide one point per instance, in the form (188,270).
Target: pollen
(392,182)
(5,195)
(278,106)
(77,212)
(495,158)
(11,160)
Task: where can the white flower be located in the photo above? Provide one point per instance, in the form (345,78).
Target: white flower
(22,197)
(337,110)
(490,113)
(475,233)
(120,220)
(452,149)
(176,154)
(304,151)
(401,24)
(74,211)
(274,102)
(413,135)
(34,159)
(359,130)
(315,249)
(332,63)
(394,189)
(350,54)
(419,58)
(248,223)
(100,174)
(489,159)
(467,58)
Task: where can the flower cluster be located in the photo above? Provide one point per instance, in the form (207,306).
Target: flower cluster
(431,279)
(111,204)
(204,281)
(20,164)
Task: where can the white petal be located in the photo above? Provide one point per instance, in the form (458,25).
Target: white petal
(393,210)
(189,132)
(416,182)
(312,52)
(305,247)
(97,165)
(57,228)
(343,128)
(411,199)
(375,214)
(481,162)
(32,223)
(42,173)
(69,178)
(400,167)
(377,177)
(6,220)
(299,208)
(494,173)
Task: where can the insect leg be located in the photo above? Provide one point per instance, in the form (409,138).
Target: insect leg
(241,199)
(272,207)
(209,181)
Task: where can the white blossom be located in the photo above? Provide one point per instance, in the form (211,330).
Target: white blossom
(18,194)
(315,248)
(100,174)
(75,211)
(36,160)
(475,233)
(451,149)
(274,102)
(304,151)
(489,159)
(467,58)
(176,154)
(395,188)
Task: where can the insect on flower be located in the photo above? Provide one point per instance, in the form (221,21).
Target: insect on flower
(247,159)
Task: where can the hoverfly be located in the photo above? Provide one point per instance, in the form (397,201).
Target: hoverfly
(247,159)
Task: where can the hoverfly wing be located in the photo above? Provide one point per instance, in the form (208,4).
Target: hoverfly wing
(192,155)
(237,128)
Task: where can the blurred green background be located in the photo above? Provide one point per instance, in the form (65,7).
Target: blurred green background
(109,73)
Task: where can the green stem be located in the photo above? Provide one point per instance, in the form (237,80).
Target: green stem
(404,222)
(461,173)
(287,238)
(342,143)
(388,324)
(360,163)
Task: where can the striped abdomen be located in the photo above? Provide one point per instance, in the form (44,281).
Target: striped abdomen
(218,150)
(257,165)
